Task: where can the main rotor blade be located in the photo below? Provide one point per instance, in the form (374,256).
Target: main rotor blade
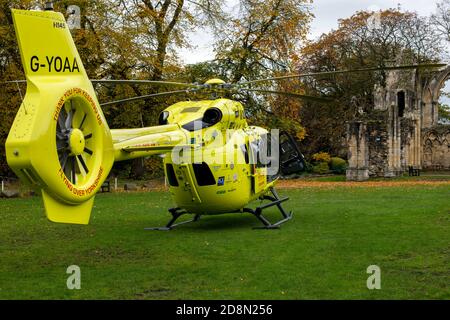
(119,82)
(13,81)
(144,82)
(161,94)
(313,74)
(293,95)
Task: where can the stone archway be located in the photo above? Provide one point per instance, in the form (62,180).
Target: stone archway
(430,97)
(435,137)
(441,78)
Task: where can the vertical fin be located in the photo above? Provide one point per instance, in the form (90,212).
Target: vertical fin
(46,45)
(57,211)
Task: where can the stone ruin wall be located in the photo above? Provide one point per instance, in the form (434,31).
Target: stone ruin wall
(436,148)
(386,142)
(378,147)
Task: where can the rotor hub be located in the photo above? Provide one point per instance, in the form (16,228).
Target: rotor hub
(76,142)
(215,81)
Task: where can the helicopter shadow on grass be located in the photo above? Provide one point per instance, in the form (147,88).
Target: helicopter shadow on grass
(228,221)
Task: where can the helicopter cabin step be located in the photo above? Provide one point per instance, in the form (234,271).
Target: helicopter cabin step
(275,200)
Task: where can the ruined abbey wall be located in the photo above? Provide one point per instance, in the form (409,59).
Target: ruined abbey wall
(436,148)
(401,130)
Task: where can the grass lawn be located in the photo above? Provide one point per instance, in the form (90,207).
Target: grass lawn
(323,253)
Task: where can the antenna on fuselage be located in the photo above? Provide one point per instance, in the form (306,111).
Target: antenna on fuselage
(49,6)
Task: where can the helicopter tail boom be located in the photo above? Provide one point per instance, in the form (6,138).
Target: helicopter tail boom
(143,142)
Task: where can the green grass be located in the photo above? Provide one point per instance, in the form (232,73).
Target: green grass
(331,178)
(425,176)
(323,253)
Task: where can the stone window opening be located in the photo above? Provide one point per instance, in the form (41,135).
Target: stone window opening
(401,103)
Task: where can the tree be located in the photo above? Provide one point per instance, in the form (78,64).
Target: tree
(162,27)
(264,37)
(263,40)
(441,19)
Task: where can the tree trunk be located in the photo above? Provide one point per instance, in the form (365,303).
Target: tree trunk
(137,169)
(160,58)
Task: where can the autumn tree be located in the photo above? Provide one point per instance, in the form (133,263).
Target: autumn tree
(162,27)
(263,39)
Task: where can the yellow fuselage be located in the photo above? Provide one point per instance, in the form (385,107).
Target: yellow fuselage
(208,168)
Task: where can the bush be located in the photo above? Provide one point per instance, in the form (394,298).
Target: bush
(321,157)
(309,167)
(321,168)
(154,167)
(338,165)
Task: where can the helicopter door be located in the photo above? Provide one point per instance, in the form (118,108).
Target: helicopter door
(258,169)
(291,159)
(189,184)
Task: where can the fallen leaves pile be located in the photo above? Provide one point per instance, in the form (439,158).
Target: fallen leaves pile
(301,184)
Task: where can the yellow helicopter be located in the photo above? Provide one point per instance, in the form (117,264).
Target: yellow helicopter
(214,162)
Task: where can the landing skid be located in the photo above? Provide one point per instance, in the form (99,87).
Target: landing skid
(176,213)
(275,201)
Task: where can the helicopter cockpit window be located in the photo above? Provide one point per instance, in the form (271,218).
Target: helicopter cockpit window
(195,125)
(210,118)
(163,118)
(291,159)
